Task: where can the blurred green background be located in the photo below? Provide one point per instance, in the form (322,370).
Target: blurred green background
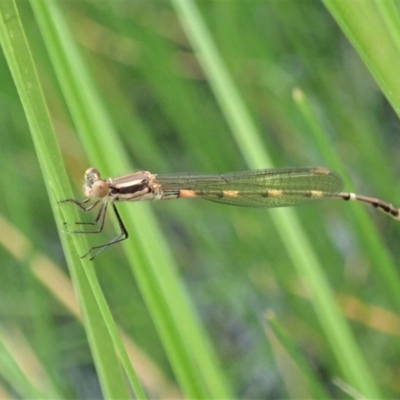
(231,262)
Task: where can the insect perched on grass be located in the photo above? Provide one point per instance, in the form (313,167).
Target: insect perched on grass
(260,188)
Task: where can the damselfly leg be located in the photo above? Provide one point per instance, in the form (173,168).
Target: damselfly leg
(98,221)
(119,238)
(100,216)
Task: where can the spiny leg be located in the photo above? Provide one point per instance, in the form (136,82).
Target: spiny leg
(80,204)
(99,220)
(122,236)
(99,217)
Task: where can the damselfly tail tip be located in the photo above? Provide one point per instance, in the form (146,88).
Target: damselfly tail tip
(382,206)
(391,210)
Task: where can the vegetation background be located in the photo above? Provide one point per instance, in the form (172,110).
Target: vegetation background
(210,300)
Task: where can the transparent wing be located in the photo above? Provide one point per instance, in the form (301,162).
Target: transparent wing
(260,188)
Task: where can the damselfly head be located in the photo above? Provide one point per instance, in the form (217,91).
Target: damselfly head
(94,186)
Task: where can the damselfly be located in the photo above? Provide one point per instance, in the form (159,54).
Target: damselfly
(261,188)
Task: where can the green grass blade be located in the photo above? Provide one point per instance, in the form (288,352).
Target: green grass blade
(372,27)
(299,248)
(292,362)
(21,65)
(185,342)
(369,237)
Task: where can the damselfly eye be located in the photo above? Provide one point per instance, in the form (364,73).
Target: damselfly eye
(91,176)
(99,188)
